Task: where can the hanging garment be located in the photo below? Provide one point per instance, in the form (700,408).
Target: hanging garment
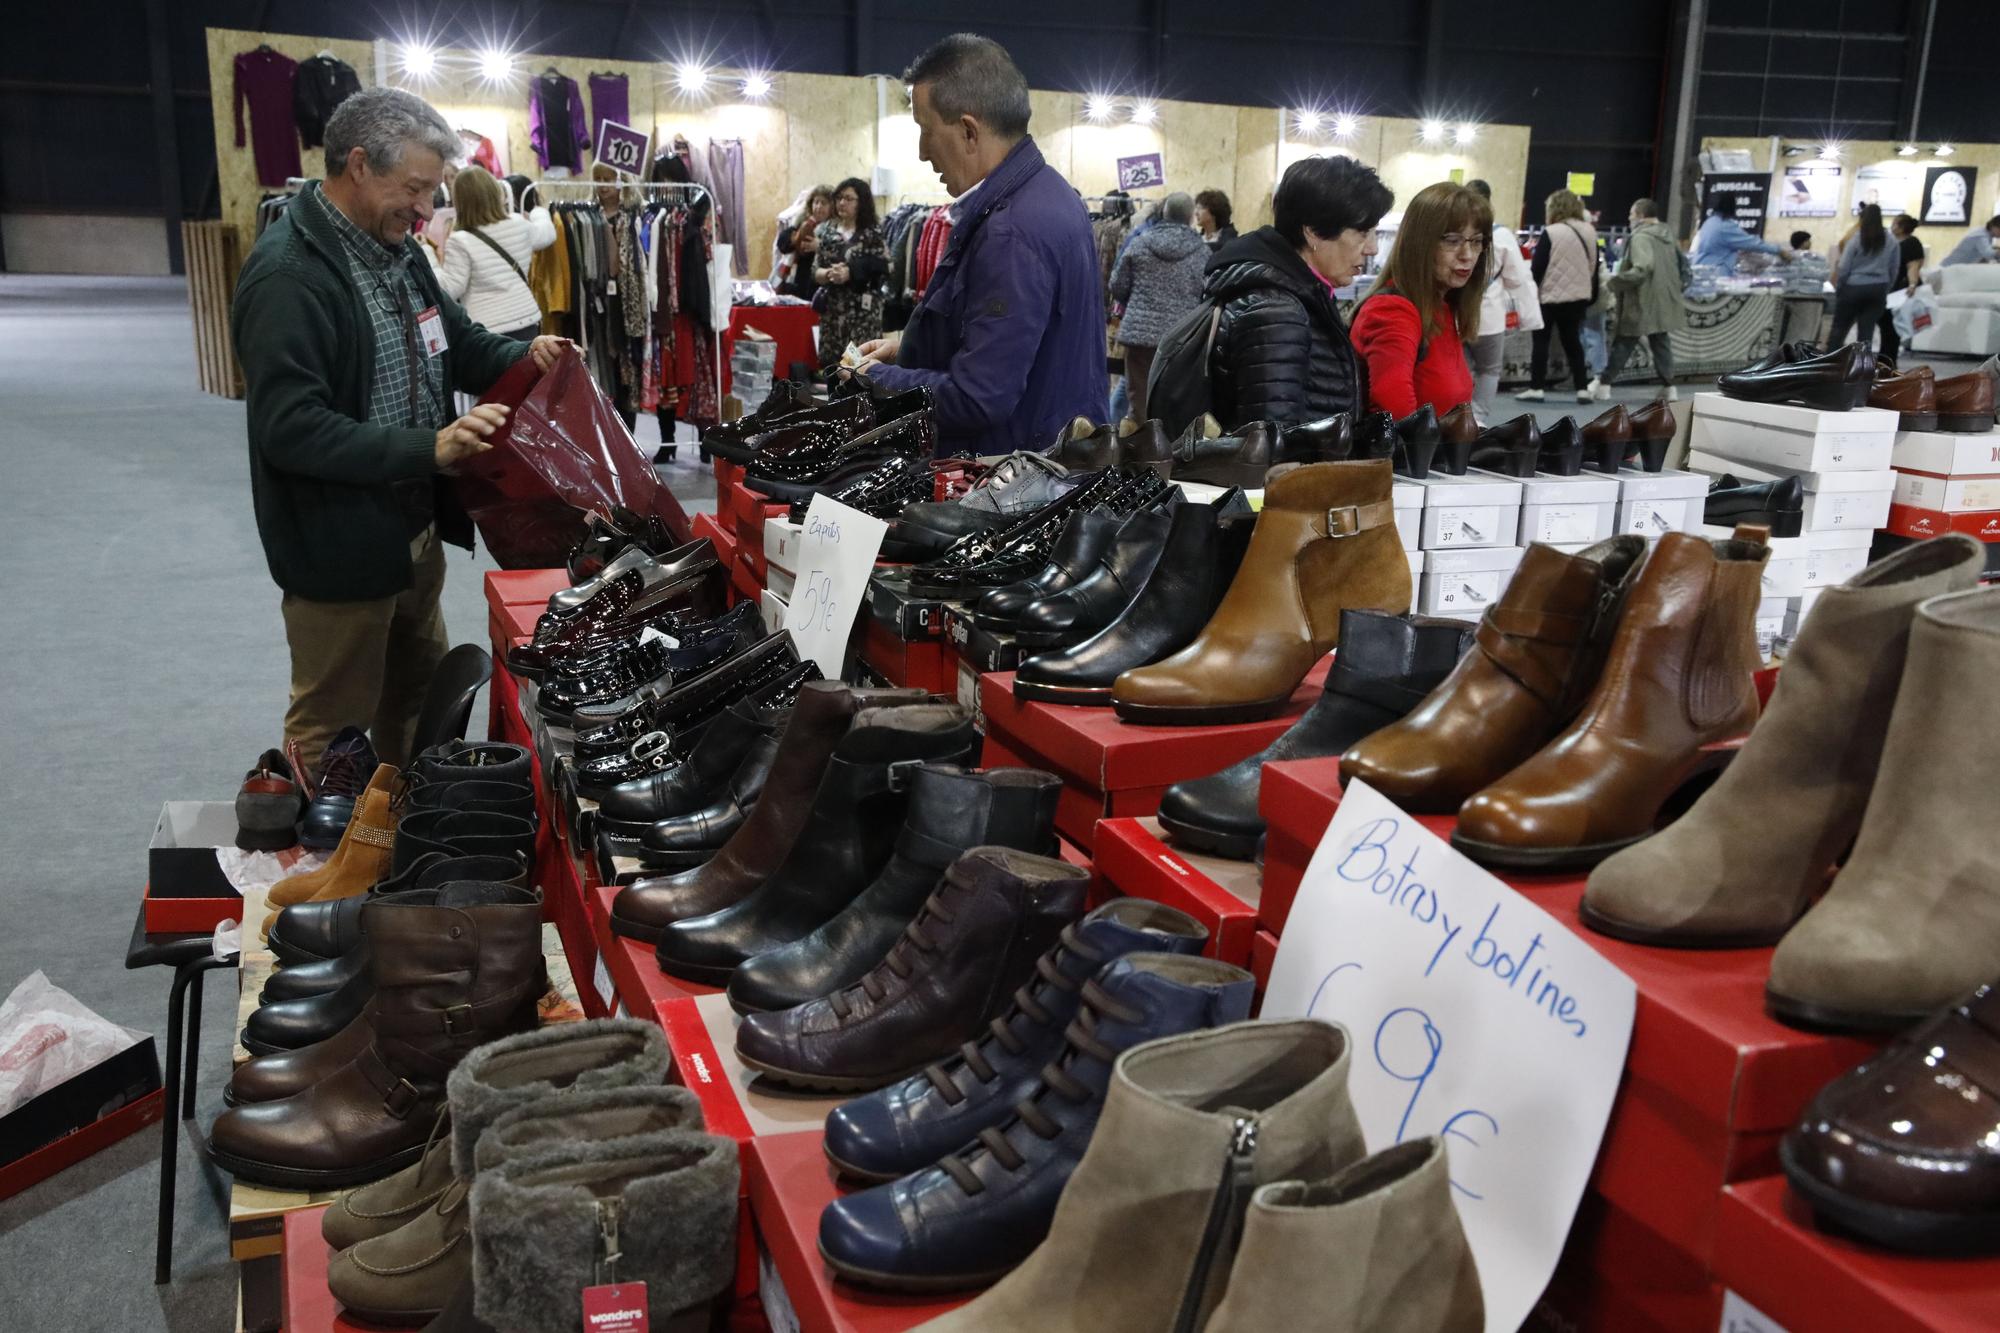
(548,277)
(480,152)
(725,175)
(558,129)
(931,241)
(610,99)
(264,79)
(321,84)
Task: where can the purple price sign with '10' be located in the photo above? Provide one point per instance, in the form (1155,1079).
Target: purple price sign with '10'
(622,147)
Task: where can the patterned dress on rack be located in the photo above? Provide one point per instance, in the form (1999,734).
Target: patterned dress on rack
(853,311)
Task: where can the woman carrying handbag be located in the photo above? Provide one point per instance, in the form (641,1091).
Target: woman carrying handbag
(1566,270)
(486,257)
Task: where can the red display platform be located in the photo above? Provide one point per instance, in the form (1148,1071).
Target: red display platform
(790,1185)
(524,587)
(1263,952)
(718,531)
(1131,859)
(743,581)
(1616,1273)
(1297,799)
(1771,1254)
(561,877)
(309,1306)
(635,973)
(1113,768)
(701,1033)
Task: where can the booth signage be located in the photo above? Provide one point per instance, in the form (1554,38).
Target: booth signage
(1948,194)
(836,555)
(1475,1016)
(1751,193)
(1809,190)
(623,148)
(1141,172)
(1582,183)
(1884,184)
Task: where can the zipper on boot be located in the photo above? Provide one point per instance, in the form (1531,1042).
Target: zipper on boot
(1225,1217)
(607,1236)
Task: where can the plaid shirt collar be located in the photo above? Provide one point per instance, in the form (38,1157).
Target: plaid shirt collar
(360,245)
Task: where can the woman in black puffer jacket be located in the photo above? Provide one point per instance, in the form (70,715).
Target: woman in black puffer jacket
(1281,352)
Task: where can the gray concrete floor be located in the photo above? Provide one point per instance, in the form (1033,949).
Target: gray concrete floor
(144,660)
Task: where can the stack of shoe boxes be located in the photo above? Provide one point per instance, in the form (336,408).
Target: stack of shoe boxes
(1842,461)
(781,561)
(1468,530)
(1947,483)
(753,367)
(1408,498)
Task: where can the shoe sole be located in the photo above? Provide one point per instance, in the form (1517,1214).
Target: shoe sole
(255,1047)
(853,1172)
(1044,641)
(702,973)
(1542,859)
(1083,696)
(1917,1230)
(653,860)
(393,1318)
(1917,421)
(1666,938)
(297,1178)
(1232,846)
(1826,1018)
(626,928)
(1965,423)
(791,1078)
(1203,715)
(266,840)
(1824,397)
(868,1277)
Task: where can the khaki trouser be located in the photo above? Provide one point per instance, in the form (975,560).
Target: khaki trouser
(367,664)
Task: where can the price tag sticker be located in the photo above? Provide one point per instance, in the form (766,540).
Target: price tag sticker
(616,1308)
(1650,520)
(836,555)
(1567,523)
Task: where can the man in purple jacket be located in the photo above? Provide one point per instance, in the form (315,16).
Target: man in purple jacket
(1010,333)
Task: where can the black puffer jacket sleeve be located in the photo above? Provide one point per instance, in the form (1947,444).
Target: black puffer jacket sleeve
(1262,362)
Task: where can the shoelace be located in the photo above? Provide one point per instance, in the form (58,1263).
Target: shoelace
(340,770)
(1027,1003)
(1017,467)
(1080,1040)
(903,955)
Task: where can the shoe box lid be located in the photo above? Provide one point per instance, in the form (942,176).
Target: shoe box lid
(1944,454)
(782,582)
(1135,858)
(1666,484)
(1477,509)
(1473,488)
(1417,560)
(771,608)
(1913,521)
(1771,1254)
(1407,498)
(1407,493)
(1584,488)
(1827,510)
(1464,583)
(1750,471)
(1654,503)
(1583,508)
(1953,495)
(1473,560)
(524,587)
(1803,439)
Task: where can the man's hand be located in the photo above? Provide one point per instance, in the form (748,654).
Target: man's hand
(882,351)
(467,436)
(546,349)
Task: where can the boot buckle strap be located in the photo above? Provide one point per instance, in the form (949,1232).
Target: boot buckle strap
(651,746)
(902,772)
(402,1099)
(458,1020)
(1353,520)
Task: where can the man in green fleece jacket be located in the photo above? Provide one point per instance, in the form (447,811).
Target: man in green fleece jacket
(350,354)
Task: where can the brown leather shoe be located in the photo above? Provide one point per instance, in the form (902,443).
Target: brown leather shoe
(645,907)
(1912,395)
(449,976)
(1324,543)
(1901,1150)
(272,1078)
(1538,654)
(1680,676)
(1458,431)
(1965,403)
(1607,440)
(1087,448)
(1653,428)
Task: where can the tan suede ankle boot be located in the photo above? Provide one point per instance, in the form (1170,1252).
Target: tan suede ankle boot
(378,833)
(1191,1125)
(1912,923)
(1738,868)
(1376,1249)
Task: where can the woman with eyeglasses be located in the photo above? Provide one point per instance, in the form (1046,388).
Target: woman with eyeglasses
(1413,327)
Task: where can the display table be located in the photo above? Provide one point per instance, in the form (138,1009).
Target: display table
(789,326)
(1724,333)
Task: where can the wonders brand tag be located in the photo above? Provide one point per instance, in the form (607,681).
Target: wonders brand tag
(619,1308)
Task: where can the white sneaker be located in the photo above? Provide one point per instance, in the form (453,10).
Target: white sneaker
(1529,395)
(1600,391)
(1672,394)
(1585,395)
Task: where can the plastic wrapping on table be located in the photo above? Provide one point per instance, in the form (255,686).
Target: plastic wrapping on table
(563,453)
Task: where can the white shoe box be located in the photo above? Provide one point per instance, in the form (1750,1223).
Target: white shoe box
(1834,499)
(1953,495)
(1652,503)
(1559,510)
(1798,608)
(1475,510)
(1801,439)
(771,607)
(1464,583)
(1840,510)
(1945,454)
(1771,614)
(1784,569)
(1408,497)
(1836,556)
(1416,559)
(781,544)
(780,581)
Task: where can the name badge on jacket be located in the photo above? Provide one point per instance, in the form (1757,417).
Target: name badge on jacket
(430,330)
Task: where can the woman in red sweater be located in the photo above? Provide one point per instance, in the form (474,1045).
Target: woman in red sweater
(1412,329)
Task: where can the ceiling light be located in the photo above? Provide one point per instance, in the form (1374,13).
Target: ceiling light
(418,60)
(1466,133)
(1907,150)
(1309,122)
(1942,150)
(1144,113)
(1830,150)
(756,86)
(495,66)
(1097,107)
(691,78)
(1432,131)
(1344,127)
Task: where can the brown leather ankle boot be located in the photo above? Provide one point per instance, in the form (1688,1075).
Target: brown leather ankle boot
(1325,543)
(1681,675)
(1539,650)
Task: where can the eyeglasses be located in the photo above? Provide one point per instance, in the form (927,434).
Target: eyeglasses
(1451,240)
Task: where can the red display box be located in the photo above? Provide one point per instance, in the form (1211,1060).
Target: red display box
(634,971)
(1616,1273)
(1297,799)
(1771,1254)
(1112,768)
(917,664)
(524,587)
(1263,953)
(743,580)
(790,1186)
(561,878)
(719,533)
(1133,860)
(1910,521)
(86,1139)
(309,1305)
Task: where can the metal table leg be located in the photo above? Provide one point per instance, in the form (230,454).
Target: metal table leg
(180,1079)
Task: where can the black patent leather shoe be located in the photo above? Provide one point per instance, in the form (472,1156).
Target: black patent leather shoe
(1328,440)
(1839,381)
(604,540)
(1375,436)
(787,401)
(1081,548)
(1079,611)
(906,428)
(664,731)
(1778,505)
(1017,551)
(631,808)
(882,490)
(1511,449)
(650,661)
(623,607)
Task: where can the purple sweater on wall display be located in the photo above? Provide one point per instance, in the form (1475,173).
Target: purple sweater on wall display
(558,127)
(264,80)
(610,99)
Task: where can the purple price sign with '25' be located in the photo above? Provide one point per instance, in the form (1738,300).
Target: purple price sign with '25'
(622,147)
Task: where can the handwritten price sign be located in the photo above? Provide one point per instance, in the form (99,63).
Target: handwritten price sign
(1476,1016)
(836,556)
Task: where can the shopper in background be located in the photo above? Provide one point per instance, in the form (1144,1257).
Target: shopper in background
(1281,352)
(1121,394)
(798,244)
(1800,243)
(1009,335)
(1411,331)
(350,351)
(850,262)
(1650,300)
(486,257)
(1510,288)
(1978,247)
(1866,263)
(1721,239)
(1565,268)
(1159,278)
(1910,254)
(1211,218)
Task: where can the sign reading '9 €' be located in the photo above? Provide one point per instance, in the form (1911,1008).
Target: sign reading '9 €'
(836,556)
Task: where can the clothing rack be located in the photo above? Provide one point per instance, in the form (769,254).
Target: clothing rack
(688,192)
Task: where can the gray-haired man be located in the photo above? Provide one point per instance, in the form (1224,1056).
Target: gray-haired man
(350,353)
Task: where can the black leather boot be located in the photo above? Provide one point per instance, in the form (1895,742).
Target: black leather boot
(1095,601)
(493,797)
(1328,440)
(627,810)
(1384,667)
(474,761)
(311,933)
(848,837)
(952,810)
(461,833)
(694,837)
(650,665)
(1204,545)
(1082,547)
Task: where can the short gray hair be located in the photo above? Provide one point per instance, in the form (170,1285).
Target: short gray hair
(970,75)
(1177,207)
(1645,208)
(383,122)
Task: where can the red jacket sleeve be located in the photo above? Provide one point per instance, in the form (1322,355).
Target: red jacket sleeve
(1385,333)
